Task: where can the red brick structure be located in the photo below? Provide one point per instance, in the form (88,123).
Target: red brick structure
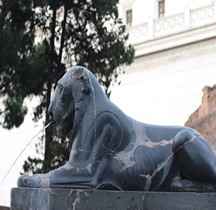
(204,118)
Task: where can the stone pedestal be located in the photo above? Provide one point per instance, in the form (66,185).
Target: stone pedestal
(65,199)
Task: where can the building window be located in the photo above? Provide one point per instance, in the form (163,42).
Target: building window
(129,17)
(161,8)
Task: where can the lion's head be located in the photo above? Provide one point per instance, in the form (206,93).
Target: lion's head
(71,88)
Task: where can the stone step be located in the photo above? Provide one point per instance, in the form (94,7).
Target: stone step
(65,199)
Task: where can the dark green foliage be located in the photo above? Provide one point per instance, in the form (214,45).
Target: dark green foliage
(83,32)
(15,49)
(14,105)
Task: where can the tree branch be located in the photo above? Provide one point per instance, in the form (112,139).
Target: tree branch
(63,32)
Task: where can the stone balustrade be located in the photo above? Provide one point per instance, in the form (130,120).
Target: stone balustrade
(188,20)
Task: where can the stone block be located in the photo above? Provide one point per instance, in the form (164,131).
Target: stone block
(66,199)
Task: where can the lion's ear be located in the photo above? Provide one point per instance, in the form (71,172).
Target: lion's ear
(85,86)
(79,73)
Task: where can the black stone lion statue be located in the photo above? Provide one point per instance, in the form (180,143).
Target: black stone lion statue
(113,151)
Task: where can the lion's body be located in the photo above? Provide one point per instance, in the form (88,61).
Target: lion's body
(112,150)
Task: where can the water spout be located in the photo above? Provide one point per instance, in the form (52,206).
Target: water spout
(43,129)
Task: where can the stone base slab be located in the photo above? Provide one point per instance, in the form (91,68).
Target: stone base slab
(66,199)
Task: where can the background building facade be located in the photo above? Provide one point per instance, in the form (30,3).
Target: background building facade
(175,58)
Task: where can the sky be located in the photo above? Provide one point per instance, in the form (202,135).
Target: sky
(13,143)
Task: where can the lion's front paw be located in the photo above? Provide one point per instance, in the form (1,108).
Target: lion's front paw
(35,181)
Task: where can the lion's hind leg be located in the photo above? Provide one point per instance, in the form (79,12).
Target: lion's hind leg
(185,185)
(197,162)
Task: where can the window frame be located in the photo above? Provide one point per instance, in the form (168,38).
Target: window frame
(161,8)
(129,17)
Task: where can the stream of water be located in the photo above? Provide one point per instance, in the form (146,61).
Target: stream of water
(43,129)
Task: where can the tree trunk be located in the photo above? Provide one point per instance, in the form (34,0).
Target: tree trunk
(49,132)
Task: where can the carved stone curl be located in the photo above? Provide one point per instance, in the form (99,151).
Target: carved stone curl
(113,151)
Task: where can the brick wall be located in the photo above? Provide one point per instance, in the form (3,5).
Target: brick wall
(204,118)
